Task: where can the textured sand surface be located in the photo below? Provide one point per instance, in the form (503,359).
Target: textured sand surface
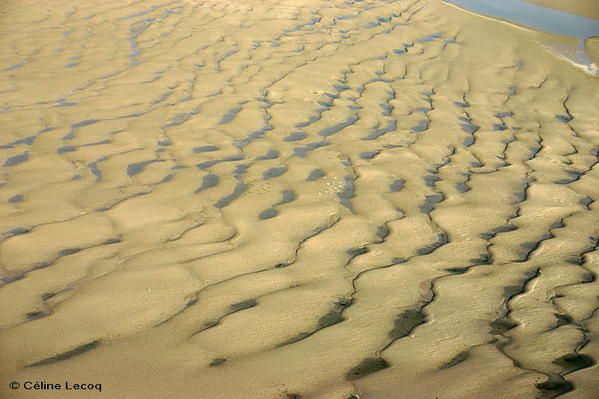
(294,199)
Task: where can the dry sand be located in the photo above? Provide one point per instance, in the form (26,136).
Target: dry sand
(284,199)
(585,8)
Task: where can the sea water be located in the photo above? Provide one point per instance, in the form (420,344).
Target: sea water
(539,18)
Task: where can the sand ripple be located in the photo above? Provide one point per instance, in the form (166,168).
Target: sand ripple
(294,199)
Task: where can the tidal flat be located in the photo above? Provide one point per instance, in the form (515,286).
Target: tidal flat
(298,199)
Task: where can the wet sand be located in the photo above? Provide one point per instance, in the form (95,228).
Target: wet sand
(294,199)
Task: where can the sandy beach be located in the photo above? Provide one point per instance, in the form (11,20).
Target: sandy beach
(585,8)
(295,199)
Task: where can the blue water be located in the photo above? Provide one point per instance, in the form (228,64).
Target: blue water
(542,19)
(534,16)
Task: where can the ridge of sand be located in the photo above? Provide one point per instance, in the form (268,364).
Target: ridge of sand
(294,199)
